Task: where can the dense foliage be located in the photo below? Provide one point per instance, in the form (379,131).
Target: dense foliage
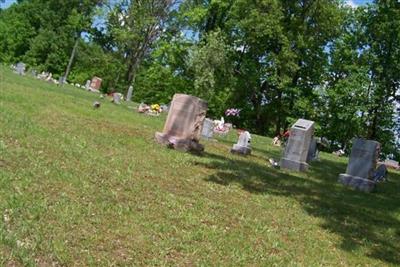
(275,60)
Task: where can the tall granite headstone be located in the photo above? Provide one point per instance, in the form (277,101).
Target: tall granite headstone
(184,123)
(296,151)
(95,84)
(208,128)
(362,164)
(129,94)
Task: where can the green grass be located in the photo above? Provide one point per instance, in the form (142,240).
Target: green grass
(84,187)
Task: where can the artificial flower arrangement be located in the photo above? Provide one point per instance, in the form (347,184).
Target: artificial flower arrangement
(155,108)
(232,112)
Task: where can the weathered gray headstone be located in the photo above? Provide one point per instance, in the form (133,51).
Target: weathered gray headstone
(20,68)
(208,128)
(185,119)
(164,108)
(129,94)
(362,164)
(296,151)
(117,98)
(243,144)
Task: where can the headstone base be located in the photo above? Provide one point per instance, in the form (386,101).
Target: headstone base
(356,182)
(178,144)
(236,149)
(294,165)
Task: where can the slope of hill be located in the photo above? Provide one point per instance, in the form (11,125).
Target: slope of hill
(80,186)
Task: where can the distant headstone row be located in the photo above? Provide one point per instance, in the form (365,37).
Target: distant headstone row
(187,121)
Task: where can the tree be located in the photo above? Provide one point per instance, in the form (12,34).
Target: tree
(135,26)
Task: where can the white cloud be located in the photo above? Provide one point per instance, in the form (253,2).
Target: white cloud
(351,3)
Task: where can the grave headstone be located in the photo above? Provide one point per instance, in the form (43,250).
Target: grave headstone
(33,72)
(129,94)
(362,165)
(243,144)
(184,123)
(296,150)
(117,98)
(164,108)
(20,68)
(95,84)
(208,128)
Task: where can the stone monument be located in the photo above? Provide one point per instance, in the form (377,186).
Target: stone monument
(296,151)
(117,98)
(129,94)
(243,144)
(184,123)
(20,68)
(362,164)
(95,84)
(208,128)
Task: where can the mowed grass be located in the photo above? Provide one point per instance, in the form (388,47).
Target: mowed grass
(85,187)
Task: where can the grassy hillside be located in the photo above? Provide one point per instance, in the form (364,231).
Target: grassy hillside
(91,187)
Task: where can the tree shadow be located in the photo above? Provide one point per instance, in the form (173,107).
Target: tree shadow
(361,219)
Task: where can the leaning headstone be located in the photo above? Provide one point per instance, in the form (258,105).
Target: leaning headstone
(243,145)
(362,165)
(312,150)
(95,84)
(129,94)
(208,128)
(20,68)
(184,123)
(296,151)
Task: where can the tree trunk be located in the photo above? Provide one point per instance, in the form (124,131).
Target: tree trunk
(134,62)
(278,125)
(71,59)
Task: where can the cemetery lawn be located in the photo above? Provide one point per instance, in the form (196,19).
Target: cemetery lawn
(85,187)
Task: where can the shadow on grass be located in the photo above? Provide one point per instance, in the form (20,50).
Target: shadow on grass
(361,219)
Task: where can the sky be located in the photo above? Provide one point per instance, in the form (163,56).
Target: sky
(7,3)
(353,3)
